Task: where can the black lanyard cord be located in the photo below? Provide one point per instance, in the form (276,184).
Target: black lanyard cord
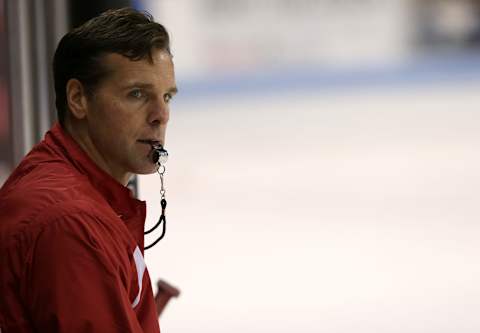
(159,157)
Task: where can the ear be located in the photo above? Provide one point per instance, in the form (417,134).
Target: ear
(76,99)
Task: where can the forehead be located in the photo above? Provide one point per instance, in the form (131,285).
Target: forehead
(121,69)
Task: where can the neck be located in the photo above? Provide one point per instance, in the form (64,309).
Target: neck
(79,133)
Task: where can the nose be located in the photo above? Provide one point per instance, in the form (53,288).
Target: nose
(158,113)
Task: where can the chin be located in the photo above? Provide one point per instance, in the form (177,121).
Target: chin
(146,169)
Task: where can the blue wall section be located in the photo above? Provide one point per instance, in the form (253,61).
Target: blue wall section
(424,71)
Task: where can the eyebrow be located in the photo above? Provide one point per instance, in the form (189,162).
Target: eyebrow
(172,90)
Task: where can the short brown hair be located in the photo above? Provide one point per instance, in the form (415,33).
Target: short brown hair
(125,31)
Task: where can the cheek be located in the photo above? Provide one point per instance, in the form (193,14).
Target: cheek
(117,122)
(113,117)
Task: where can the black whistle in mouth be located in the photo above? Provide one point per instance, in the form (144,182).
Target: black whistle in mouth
(159,155)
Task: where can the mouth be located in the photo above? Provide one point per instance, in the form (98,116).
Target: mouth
(157,153)
(152,143)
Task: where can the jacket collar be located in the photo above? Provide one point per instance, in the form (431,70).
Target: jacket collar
(118,196)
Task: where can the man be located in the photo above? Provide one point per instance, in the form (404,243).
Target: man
(71,235)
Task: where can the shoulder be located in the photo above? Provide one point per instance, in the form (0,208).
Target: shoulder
(70,233)
(72,216)
(67,211)
(44,192)
(79,233)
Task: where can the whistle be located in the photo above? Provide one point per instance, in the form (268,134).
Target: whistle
(159,155)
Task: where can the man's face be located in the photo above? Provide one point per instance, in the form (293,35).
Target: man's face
(129,111)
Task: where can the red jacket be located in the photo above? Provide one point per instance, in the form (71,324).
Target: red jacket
(71,247)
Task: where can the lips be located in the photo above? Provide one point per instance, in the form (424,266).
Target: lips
(150,142)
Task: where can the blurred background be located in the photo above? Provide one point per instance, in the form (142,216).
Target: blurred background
(323,172)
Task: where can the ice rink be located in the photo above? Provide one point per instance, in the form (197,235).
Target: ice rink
(338,211)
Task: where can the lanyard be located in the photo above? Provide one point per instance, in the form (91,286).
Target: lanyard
(159,156)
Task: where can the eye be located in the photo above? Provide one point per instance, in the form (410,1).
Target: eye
(167,98)
(137,93)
